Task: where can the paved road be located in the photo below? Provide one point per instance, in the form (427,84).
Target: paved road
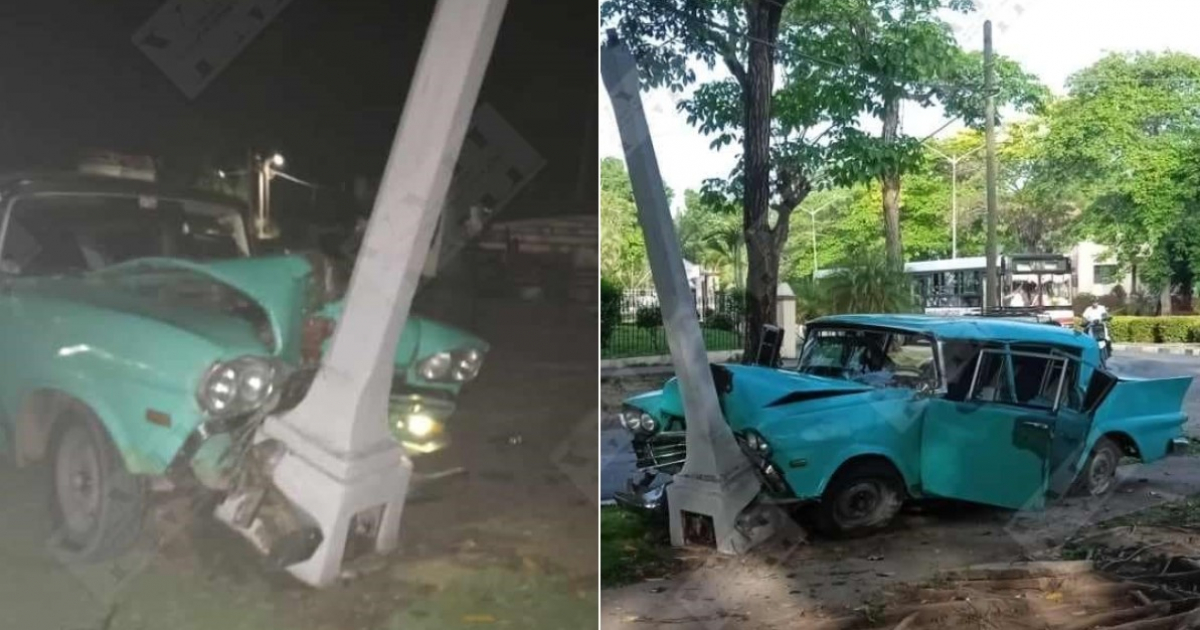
(617,460)
(1145,365)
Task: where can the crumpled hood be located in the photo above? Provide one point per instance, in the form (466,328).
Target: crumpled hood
(754,387)
(420,337)
(279,284)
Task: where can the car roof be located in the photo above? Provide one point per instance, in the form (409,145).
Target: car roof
(68,182)
(965,327)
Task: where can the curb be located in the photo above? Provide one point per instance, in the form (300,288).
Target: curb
(1156,349)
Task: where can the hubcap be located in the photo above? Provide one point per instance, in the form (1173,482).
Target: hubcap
(859,503)
(77,479)
(1102,471)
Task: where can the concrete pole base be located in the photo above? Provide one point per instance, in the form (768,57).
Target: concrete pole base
(355,500)
(722,502)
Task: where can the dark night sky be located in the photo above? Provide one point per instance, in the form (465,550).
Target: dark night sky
(323,83)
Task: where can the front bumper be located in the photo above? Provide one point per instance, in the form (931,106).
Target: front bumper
(647,493)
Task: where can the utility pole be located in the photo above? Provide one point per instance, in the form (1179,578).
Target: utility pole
(992,290)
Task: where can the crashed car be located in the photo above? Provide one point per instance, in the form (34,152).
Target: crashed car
(140,342)
(886,408)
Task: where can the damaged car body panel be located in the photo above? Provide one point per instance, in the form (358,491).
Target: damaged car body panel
(993,411)
(133,314)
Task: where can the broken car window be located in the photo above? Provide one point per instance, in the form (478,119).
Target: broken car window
(876,358)
(56,234)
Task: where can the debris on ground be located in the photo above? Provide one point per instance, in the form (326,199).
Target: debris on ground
(1119,589)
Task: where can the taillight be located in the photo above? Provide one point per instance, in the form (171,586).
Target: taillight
(316,331)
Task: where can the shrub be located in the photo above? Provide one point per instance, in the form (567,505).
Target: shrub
(610,309)
(649,317)
(1175,329)
(1118,329)
(870,285)
(721,321)
(1142,329)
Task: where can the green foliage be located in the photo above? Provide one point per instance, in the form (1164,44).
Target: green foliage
(868,285)
(1124,142)
(1142,329)
(622,249)
(610,309)
(633,547)
(649,317)
(1176,329)
(1169,329)
(710,234)
(721,321)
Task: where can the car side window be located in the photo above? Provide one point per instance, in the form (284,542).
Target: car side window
(990,382)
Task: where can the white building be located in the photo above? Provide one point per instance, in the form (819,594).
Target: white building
(1096,270)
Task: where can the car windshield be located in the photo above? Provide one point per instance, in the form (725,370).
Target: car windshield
(872,357)
(56,234)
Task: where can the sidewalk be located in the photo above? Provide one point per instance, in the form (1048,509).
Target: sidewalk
(1189,349)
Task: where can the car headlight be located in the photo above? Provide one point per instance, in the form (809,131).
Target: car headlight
(638,421)
(436,367)
(459,366)
(757,444)
(466,364)
(238,386)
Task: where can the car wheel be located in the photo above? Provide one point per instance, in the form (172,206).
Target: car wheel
(97,506)
(860,500)
(1099,474)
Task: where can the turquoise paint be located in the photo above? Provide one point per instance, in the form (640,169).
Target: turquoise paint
(981,452)
(106,340)
(107,347)
(420,339)
(964,450)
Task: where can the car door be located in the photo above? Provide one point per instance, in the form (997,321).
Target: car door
(990,439)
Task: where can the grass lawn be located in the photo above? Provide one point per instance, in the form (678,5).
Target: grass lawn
(630,341)
(633,547)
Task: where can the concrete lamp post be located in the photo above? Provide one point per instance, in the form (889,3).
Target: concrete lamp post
(717,482)
(342,468)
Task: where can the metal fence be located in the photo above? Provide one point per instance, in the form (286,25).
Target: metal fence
(639,330)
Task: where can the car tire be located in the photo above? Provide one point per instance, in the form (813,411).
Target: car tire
(860,500)
(1098,477)
(97,506)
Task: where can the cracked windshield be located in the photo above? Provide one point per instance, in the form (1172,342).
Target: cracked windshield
(298,315)
(898,319)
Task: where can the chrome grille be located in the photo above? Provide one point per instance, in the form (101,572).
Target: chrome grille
(662,450)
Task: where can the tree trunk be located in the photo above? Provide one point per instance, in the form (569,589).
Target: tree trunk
(762,251)
(890,179)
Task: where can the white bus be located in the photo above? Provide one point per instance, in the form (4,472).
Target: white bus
(1037,283)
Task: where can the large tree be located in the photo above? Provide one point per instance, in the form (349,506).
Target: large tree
(778,153)
(1125,142)
(905,53)
(835,61)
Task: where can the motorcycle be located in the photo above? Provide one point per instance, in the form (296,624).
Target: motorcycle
(1098,329)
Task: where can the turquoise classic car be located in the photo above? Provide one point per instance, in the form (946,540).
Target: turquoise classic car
(886,408)
(142,343)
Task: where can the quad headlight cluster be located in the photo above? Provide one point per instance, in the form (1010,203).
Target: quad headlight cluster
(458,366)
(239,386)
(638,421)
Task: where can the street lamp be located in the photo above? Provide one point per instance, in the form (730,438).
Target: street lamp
(812,214)
(265,228)
(953,160)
